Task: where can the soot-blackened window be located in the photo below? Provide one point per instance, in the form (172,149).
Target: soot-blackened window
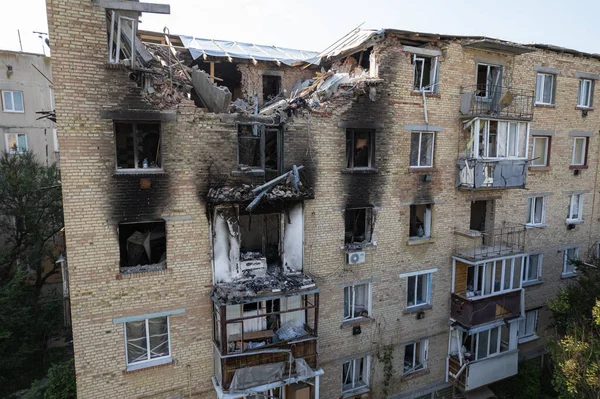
(143,244)
(358,222)
(138,145)
(360,148)
(259,147)
(271,86)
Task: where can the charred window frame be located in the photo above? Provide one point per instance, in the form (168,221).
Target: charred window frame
(261,236)
(260,148)
(142,244)
(360,148)
(358,225)
(138,146)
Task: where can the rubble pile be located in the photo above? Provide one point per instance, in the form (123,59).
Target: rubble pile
(243,193)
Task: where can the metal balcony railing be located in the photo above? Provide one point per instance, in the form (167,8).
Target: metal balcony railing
(497,101)
(476,245)
(485,174)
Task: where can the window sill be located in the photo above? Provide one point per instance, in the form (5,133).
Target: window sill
(416,374)
(359,246)
(149,365)
(421,169)
(539,105)
(359,171)
(574,221)
(528,339)
(564,276)
(420,241)
(357,322)
(536,226)
(355,393)
(582,108)
(139,172)
(249,172)
(129,272)
(531,283)
(14,112)
(540,168)
(418,308)
(417,93)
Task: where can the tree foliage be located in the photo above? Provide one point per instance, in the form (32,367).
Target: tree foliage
(576,351)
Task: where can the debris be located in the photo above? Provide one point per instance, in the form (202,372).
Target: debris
(215,98)
(290,330)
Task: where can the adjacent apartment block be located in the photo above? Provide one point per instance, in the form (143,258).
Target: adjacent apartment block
(385,219)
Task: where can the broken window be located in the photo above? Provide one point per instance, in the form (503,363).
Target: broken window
(260,237)
(357,301)
(138,145)
(420,221)
(360,148)
(358,223)
(147,342)
(489,80)
(355,374)
(425,73)
(415,356)
(259,148)
(121,37)
(142,244)
(271,86)
(421,149)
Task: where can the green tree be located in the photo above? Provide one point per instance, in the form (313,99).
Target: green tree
(576,350)
(61,381)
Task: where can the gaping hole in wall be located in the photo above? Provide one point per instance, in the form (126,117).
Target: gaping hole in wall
(249,146)
(363,58)
(225,74)
(138,145)
(260,237)
(271,86)
(142,244)
(358,222)
(420,221)
(359,148)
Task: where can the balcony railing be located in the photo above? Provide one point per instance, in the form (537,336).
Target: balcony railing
(473,311)
(485,174)
(474,245)
(497,101)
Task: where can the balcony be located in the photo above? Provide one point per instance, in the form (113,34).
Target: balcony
(477,373)
(494,173)
(473,245)
(474,311)
(501,102)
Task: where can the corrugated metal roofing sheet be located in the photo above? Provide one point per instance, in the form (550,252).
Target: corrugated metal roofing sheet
(227,49)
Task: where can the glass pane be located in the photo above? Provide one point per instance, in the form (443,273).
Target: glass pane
(539,151)
(532,271)
(12,143)
(8,102)
(426,149)
(410,296)
(531,318)
(360,300)
(18,100)
(362,147)
(159,337)
(483,343)
(22,142)
(421,289)
(409,352)
(125,145)
(578,151)
(358,376)
(512,140)
(538,210)
(548,82)
(347,302)
(137,347)
(575,206)
(538,88)
(418,73)
(148,145)
(414,149)
(494,340)
(347,372)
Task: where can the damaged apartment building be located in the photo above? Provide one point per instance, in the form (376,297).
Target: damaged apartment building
(383,219)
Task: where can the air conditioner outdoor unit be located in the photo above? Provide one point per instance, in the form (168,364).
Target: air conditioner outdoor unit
(355,257)
(255,267)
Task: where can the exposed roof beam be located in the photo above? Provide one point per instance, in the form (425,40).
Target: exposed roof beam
(133,6)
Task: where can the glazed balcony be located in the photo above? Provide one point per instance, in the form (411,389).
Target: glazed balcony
(478,310)
(494,101)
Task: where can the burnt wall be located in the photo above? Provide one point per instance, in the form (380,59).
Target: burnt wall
(138,197)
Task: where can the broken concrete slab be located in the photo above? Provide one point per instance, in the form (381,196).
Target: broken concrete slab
(216,98)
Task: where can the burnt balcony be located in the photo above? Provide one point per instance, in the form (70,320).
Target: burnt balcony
(494,101)
(475,310)
(474,245)
(487,174)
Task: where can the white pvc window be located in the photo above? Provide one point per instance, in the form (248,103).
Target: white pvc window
(536,211)
(488,343)
(533,268)
(147,342)
(489,80)
(421,149)
(499,139)
(420,221)
(12,101)
(569,254)
(491,278)
(579,151)
(16,143)
(544,88)
(586,88)
(415,356)
(355,374)
(357,301)
(425,73)
(575,211)
(418,292)
(540,151)
(528,327)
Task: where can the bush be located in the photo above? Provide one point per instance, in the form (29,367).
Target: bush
(61,381)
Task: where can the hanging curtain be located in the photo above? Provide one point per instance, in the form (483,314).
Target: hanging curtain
(522,140)
(502,136)
(293,302)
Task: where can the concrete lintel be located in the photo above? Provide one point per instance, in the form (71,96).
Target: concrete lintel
(585,75)
(133,6)
(360,125)
(138,115)
(120,320)
(491,61)
(357,282)
(177,218)
(422,128)
(423,51)
(541,132)
(546,194)
(543,69)
(576,192)
(581,134)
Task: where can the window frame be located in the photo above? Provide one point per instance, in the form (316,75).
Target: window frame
(547,147)
(368,225)
(427,223)
(488,85)
(528,266)
(148,362)
(579,205)
(531,202)
(433,76)
(423,355)
(419,166)
(590,96)
(540,90)
(584,151)
(17,152)
(565,271)
(523,324)
(136,168)
(352,302)
(365,377)
(427,294)
(498,343)
(475,147)
(371,160)
(12,95)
